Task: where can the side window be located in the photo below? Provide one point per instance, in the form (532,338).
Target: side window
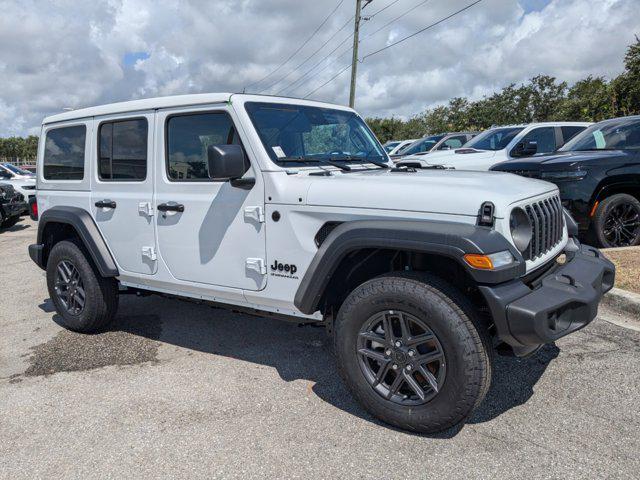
(545,137)
(64,153)
(453,142)
(187,139)
(122,148)
(569,132)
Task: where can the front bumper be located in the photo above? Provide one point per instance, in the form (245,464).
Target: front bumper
(561,301)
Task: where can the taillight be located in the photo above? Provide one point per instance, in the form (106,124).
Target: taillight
(33,208)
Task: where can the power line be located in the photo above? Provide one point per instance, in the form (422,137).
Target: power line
(319,71)
(314,66)
(313,54)
(422,29)
(381,10)
(328,81)
(396,43)
(397,18)
(299,48)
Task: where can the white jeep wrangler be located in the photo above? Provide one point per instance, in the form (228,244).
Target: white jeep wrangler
(292,208)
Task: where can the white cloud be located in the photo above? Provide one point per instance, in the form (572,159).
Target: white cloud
(71,54)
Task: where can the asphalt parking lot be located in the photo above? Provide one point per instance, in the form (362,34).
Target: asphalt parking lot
(183,390)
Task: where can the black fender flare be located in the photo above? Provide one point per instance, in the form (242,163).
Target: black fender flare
(87,230)
(447,239)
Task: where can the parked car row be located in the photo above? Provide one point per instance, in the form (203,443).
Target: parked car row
(12,206)
(596,167)
(23,181)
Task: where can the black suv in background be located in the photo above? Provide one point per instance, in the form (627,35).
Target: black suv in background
(12,205)
(598,174)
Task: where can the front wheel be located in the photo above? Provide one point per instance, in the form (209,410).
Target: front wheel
(410,353)
(616,222)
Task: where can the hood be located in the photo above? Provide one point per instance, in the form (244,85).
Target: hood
(453,158)
(561,159)
(448,192)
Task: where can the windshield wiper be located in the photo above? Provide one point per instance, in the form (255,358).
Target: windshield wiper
(321,161)
(351,158)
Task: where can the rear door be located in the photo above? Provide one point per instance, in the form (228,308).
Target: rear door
(122,189)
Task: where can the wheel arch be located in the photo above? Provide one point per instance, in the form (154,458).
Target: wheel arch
(63,223)
(628,183)
(359,250)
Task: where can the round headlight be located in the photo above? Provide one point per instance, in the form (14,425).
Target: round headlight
(521,231)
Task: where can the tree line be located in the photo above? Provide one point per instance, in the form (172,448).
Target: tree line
(14,148)
(542,98)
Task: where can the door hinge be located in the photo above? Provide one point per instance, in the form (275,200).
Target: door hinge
(254,213)
(257,264)
(149,252)
(146,208)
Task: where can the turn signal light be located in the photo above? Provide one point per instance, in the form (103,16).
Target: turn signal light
(489,262)
(479,261)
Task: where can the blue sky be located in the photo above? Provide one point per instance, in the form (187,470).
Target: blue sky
(533,5)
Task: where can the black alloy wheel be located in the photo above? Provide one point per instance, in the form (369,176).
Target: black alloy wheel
(401,358)
(69,287)
(622,225)
(616,222)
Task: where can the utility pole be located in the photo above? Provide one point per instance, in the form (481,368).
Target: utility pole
(354,60)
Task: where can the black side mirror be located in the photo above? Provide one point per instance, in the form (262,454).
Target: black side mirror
(226,162)
(525,149)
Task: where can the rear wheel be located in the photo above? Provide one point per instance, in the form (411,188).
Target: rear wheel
(617,221)
(86,301)
(411,354)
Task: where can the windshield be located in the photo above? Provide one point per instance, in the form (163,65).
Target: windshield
(301,132)
(16,170)
(610,135)
(390,146)
(494,138)
(421,145)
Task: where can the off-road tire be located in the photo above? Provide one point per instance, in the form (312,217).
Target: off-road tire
(450,315)
(603,210)
(101,294)
(9,222)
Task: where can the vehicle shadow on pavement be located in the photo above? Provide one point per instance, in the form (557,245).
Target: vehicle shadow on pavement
(16,228)
(296,352)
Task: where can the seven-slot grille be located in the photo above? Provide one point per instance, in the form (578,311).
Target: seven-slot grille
(547,223)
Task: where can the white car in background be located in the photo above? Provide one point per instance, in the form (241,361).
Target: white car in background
(500,144)
(23,182)
(393,147)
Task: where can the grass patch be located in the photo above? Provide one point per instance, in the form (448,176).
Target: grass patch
(627,261)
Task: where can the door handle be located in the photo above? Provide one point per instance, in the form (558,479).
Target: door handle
(166,207)
(105,204)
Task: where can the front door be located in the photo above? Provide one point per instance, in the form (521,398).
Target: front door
(209,232)
(122,189)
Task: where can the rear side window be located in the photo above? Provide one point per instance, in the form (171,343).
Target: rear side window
(64,153)
(569,132)
(189,137)
(122,148)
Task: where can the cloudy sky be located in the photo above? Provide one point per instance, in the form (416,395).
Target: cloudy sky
(62,53)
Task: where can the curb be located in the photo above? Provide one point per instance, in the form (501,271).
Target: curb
(623,300)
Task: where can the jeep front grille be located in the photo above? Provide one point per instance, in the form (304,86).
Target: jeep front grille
(547,223)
